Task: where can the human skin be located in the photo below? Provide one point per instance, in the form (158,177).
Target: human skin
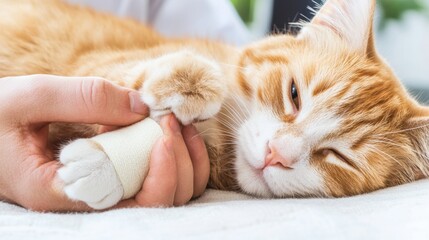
(28,166)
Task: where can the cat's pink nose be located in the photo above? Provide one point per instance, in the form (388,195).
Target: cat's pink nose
(273,157)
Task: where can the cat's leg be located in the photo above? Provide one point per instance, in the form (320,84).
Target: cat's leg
(185,83)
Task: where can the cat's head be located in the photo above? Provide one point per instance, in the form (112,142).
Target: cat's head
(328,116)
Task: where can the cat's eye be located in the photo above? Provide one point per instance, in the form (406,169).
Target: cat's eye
(294,95)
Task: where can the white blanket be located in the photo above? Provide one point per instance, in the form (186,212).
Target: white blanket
(396,213)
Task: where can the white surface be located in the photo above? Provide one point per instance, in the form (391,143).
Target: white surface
(396,213)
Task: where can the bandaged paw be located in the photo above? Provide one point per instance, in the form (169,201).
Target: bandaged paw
(129,150)
(109,167)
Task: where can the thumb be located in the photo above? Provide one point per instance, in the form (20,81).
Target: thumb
(77,99)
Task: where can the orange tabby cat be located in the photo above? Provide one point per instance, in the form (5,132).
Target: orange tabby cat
(320,114)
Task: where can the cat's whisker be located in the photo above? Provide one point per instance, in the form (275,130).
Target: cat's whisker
(397,161)
(222,133)
(202,133)
(231,117)
(383,154)
(390,142)
(223,145)
(404,130)
(234,96)
(241,102)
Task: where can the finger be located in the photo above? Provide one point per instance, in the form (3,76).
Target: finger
(199,157)
(159,187)
(185,179)
(105,128)
(75,99)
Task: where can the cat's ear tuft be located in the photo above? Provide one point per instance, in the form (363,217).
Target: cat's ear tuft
(352,20)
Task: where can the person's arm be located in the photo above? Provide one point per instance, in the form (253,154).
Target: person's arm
(28,168)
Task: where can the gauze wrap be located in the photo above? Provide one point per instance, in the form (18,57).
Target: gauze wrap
(129,149)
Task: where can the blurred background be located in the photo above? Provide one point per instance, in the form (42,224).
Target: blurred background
(402,32)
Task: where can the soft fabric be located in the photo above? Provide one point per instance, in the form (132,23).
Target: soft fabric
(396,213)
(129,150)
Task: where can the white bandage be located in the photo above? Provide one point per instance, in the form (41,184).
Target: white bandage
(129,149)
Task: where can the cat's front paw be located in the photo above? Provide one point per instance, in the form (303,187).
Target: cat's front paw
(186,84)
(88,175)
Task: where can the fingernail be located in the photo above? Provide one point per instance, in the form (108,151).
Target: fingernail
(174,124)
(136,104)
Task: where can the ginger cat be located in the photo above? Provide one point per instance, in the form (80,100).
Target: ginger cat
(320,114)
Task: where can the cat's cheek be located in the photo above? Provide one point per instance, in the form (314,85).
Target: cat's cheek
(250,180)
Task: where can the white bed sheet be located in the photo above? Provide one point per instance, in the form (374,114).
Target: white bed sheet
(396,213)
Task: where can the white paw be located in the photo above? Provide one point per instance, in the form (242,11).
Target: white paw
(88,175)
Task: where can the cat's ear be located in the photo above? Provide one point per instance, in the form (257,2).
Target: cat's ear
(352,20)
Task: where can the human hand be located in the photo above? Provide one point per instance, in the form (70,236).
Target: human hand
(27,166)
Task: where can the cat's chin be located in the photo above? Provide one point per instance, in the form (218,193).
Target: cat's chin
(251,180)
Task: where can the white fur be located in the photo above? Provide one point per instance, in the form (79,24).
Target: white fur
(251,179)
(302,180)
(210,110)
(175,103)
(253,136)
(89,176)
(165,106)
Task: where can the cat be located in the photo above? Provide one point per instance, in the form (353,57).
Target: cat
(319,114)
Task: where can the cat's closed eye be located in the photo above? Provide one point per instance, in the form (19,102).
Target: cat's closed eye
(338,155)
